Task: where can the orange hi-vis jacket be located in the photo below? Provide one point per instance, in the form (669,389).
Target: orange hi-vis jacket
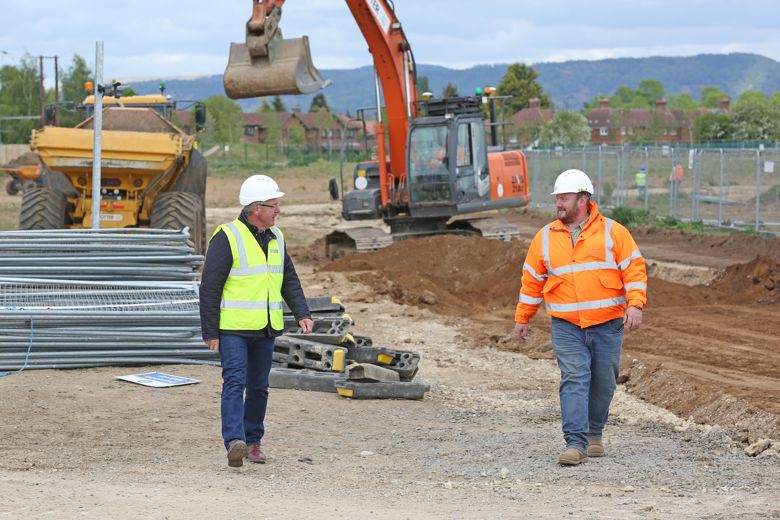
(588,283)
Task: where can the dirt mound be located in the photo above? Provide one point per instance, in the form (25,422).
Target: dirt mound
(757,281)
(451,274)
(731,245)
(454,274)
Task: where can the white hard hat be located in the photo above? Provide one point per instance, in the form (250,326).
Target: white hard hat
(572,181)
(258,188)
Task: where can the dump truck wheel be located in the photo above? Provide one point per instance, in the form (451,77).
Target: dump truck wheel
(42,208)
(193,178)
(177,210)
(11,187)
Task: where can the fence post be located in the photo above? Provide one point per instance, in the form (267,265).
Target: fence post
(535,178)
(598,175)
(720,199)
(758,185)
(619,180)
(647,178)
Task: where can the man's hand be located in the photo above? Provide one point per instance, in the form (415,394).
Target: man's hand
(521,331)
(306,325)
(212,344)
(633,318)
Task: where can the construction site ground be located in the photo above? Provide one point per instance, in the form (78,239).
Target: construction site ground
(701,383)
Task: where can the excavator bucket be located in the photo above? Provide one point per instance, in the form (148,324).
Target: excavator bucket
(287,69)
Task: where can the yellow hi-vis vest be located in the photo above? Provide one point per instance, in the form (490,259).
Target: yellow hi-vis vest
(253,289)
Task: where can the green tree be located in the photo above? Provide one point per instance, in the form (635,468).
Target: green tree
(226,122)
(684,101)
(273,128)
(128,91)
(651,90)
(626,97)
(73,91)
(422,85)
(318,102)
(265,106)
(776,99)
(711,97)
(712,127)
(566,129)
(450,90)
(19,97)
(326,122)
(296,134)
(520,83)
(645,96)
(755,117)
(278,104)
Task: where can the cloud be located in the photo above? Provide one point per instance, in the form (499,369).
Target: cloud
(191,37)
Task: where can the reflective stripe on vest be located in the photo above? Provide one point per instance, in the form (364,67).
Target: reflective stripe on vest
(533,273)
(252,292)
(530,300)
(585,306)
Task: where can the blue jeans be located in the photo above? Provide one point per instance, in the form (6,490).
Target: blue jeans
(246,366)
(589,360)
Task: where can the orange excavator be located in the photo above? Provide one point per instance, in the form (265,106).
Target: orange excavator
(437,163)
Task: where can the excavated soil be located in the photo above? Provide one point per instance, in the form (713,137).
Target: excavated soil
(707,351)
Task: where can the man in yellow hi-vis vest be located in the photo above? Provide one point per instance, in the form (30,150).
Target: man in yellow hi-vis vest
(246,277)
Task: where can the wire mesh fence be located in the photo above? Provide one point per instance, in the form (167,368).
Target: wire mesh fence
(733,188)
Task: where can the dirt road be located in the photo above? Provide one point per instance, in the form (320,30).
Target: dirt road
(483,444)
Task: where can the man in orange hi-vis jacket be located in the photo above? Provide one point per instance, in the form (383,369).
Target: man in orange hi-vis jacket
(592,278)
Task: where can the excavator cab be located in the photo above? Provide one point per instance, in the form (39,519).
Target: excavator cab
(429,164)
(267,64)
(448,160)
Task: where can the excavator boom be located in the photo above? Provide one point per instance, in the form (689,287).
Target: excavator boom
(434,165)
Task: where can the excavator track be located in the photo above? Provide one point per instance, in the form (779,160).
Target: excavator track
(347,241)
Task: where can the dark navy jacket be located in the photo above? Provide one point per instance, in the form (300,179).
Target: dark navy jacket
(219,260)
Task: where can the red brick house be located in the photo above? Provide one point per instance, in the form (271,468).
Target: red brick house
(526,124)
(660,124)
(321,130)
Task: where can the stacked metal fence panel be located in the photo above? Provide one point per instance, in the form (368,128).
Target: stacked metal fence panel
(105,254)
(49,323)
(83,297)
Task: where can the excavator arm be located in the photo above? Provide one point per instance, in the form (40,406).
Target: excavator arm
(263,25)
(266,64)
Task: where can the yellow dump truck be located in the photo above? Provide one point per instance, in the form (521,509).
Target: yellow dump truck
(151,173)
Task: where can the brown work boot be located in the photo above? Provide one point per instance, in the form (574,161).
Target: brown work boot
(595,448)
(255,454)
(571,457)
(235,453)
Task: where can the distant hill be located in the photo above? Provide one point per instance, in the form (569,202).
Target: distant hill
(570,83)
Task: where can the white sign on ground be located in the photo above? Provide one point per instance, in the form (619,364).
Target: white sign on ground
(158,379)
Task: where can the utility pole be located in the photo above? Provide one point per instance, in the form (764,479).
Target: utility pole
(42,94)
(42,91)
(56,92)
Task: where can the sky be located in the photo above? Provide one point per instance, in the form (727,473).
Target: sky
(151,39)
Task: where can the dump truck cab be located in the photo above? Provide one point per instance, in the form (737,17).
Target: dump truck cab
(160,103)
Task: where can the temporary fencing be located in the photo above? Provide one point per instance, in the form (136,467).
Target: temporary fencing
(725,187)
